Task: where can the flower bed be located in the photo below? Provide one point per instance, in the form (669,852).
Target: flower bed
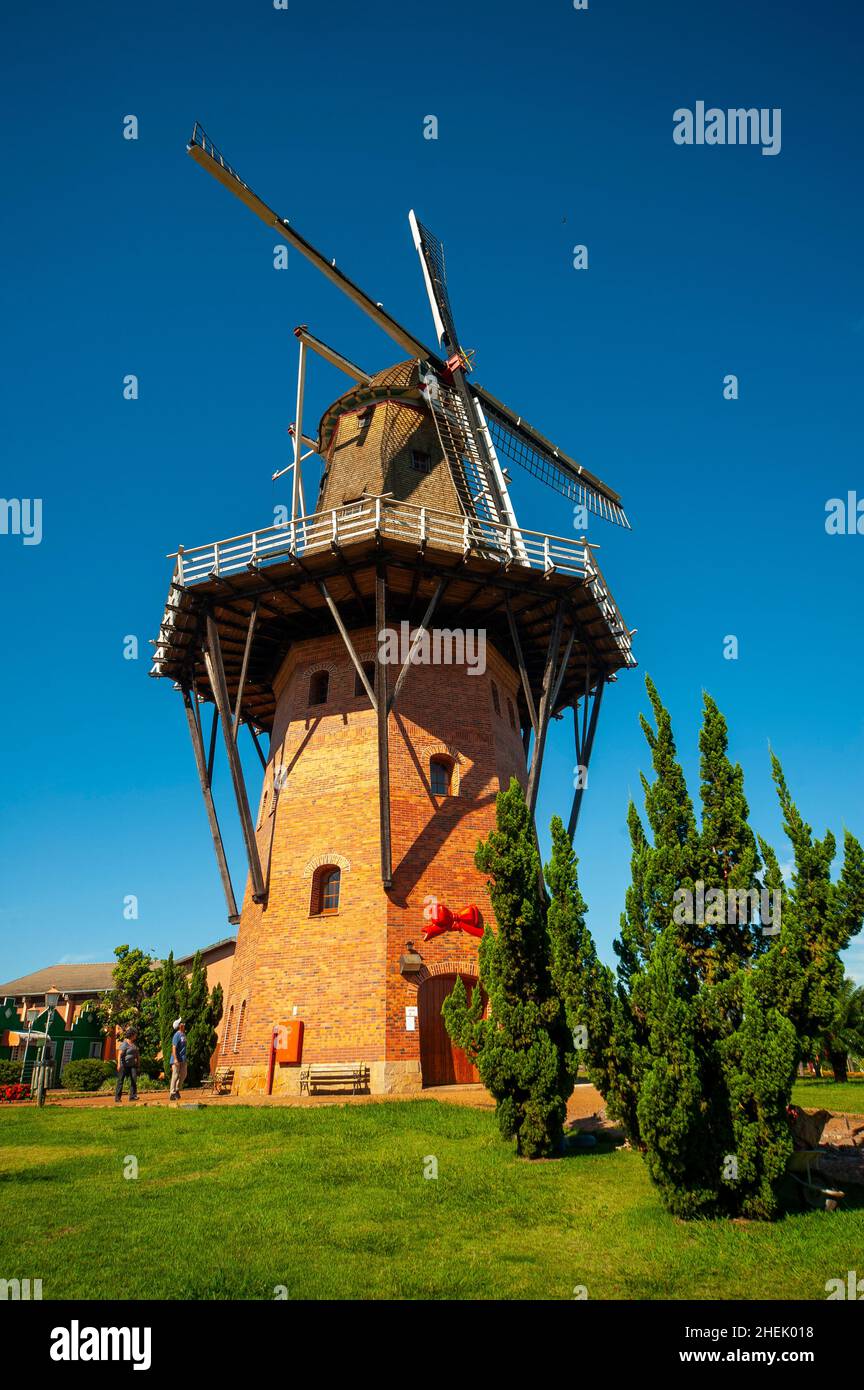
(19,1091)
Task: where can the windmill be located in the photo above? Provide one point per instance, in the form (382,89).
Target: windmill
(474,425)
(277,630)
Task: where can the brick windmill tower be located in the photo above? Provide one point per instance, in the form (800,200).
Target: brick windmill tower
(403,645)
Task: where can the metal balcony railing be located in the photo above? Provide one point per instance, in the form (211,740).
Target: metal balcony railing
(372,517)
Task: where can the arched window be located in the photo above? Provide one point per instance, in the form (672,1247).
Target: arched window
(241,1019)
(319,685)
(226,1037)
(495,701)
(326,882)
(369,673)
(440,776)
(512,714)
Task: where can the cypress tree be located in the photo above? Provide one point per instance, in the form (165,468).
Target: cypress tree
(819,919)
(522,1048)
(708,1018)
(585,985)
(172,1004)
(202,1013)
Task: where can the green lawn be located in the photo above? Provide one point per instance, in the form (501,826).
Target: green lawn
(332,1202)
(830,1095)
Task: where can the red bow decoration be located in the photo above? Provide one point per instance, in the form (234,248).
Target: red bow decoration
(439,918)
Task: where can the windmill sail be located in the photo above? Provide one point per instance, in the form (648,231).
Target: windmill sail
(516,440)
(431,253)
(459,446)
(205,153)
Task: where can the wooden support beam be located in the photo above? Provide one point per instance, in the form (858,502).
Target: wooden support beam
(330,355)
(204,779)
(418,637)
(562,669)
(583,753)
(520,659)
(343,633)
(211,755)
(258,748)
(216,675)
(545,708)
(383,745)
(238,705)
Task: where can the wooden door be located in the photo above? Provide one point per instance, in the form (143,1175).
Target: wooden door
(441,1061)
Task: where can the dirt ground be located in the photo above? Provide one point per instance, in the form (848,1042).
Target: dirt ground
(586,1104)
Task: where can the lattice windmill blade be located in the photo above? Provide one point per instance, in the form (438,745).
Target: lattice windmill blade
(519,442)
(431,253)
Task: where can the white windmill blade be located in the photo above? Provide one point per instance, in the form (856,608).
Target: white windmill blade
(431,253)
(518,441)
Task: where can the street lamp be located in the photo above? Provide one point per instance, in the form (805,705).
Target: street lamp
(52,999)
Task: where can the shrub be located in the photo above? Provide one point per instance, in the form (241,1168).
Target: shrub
(87,1074)
(144,1084)
(523,1048)
(10,1072)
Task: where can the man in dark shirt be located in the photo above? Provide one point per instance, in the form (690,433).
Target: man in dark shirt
(178,1059)
(128,1062)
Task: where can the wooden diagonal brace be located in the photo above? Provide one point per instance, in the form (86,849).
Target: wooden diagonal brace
(343,633)
(418,637)
(258,749)
(238,704)
(545,709)
(562,669)
(583,752)
(520,661)
(383,745)
(216,674)
(204,779)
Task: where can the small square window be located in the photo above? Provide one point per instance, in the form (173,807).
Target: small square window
(420,462)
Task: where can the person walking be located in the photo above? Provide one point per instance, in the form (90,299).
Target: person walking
(178,1059)
(128,1063)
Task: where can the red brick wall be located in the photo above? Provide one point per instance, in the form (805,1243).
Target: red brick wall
(342,971)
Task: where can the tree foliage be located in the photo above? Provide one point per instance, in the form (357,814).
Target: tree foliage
(694,1045)
(173,1001)
(522,1048)
(203,1012)
(132,1002)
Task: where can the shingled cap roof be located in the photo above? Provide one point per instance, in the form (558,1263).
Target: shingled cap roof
(68,979)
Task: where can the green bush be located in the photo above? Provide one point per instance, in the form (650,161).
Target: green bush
(150,1067)
(87,1074)
(10,1072)
(144,1084)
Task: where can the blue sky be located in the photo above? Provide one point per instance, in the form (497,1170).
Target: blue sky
(555,129)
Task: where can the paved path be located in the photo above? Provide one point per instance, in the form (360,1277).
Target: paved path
(583,1104)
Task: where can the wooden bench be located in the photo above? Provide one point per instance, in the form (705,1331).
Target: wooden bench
(342,1074)
(220,1081)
